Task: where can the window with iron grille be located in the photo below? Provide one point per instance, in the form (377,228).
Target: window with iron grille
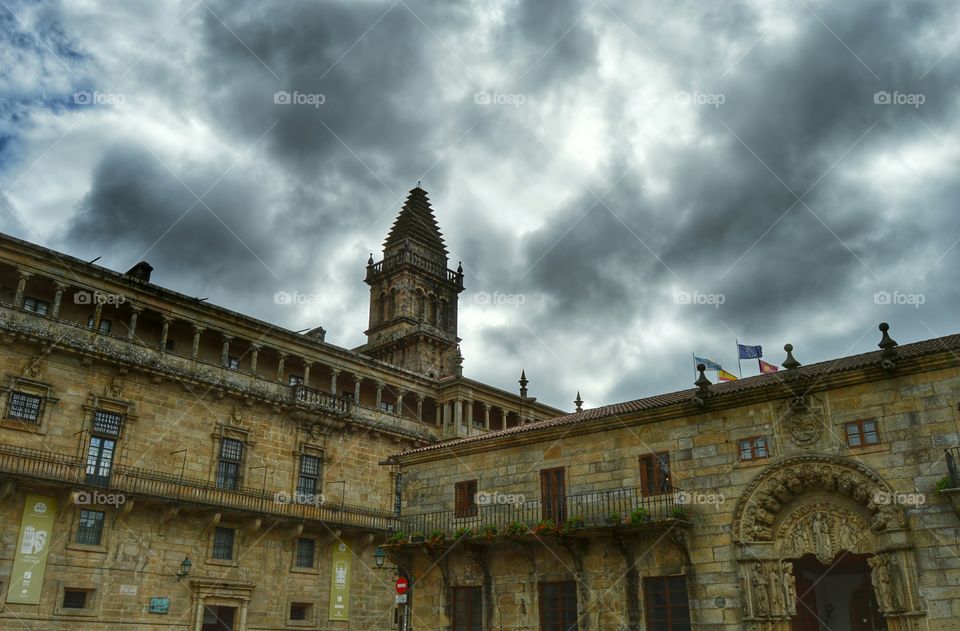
(861,433)
(667,605)
(558,606)
(37,306)
(655,474)
(223,540)
(465,498)
(25,407)
(90,527)
(107,423)
(467,609)
(311,473)
(306,552)
(228,464)
(753,448)
(74,599)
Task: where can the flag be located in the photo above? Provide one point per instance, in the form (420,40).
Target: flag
(723,375)
(749,352)
(765,367)
(709,363)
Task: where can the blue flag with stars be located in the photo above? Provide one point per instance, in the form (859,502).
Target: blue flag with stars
(749,352)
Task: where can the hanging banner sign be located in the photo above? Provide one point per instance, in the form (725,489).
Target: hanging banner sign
(30,560)
(340,581)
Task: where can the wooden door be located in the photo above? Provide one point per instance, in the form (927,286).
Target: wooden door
(807,617)
(553,492)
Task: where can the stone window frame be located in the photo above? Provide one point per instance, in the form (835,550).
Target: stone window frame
(96,403)
(645,605)
(310,620)
(308,450)
(237,545)
(753,448)
(92,604)
(861,433)
(23,385)
(35,309)
(300,569)
(235,432)
(105,533)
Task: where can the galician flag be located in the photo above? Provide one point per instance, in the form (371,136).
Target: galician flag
(765,367)
(709,363)
(723,375)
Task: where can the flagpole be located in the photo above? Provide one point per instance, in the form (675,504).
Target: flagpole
(759,366)
(696,373)
(739,367)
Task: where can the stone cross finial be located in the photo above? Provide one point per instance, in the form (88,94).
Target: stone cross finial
(523,383)
(702,383)
(578,402)
(790,362)
(887,344)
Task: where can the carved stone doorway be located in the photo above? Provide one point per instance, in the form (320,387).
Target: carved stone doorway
(837,596)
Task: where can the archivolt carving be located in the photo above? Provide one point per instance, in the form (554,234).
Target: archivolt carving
(781,483)
(824,530)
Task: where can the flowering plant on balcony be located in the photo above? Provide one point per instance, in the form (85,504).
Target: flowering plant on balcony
(436,537)
(679,513)
(639,516)
(571,524)
(399,537)
(463,532)
(416,537)
(614,519)
(545,527)
(490,531)
(516,528)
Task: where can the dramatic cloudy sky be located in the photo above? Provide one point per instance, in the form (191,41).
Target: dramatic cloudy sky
(608,172)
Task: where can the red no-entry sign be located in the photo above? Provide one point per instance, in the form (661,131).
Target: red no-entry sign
(402,585)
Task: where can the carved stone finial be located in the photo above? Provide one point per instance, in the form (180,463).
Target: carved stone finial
(370,260)
(460,268)
(887,344)
(790,362)
(523,383)
(578,402)
(702,383)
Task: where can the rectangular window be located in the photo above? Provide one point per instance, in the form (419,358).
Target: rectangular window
(100,455)
(467,609)
(311,474)
(558,606)
(655,474)
(90,527)
(233,363)
(386,406)
(104,324)
(465,498)
(294,380)
(228,465)
(666,602)
(107,423)
(753,448)
(37,306)
(300,611)
(74,599)
(553,494)
(306,550)
(223,540)
(25,407)
(861,433)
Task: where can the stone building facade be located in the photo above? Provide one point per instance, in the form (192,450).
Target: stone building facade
(142,429)
(820,497)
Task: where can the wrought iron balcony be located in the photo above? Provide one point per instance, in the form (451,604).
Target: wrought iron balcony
(22,462)
(953,467)
(615,508)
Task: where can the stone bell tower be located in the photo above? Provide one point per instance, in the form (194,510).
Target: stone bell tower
(413,295)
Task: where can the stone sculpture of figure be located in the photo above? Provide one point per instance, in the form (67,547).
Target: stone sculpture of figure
(821,537)
(880,577)
(790,583)
(846,539)
(761,597)
(800,540)
(898,586)
(777,606)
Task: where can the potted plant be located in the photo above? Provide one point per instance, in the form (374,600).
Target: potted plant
(436,537)
(572,524)
(490,531)
(462,532)
(544,527)
(396,538)
(639,516)
(679,513)
(614,519)
(943,484)
(516,528)
(417,537)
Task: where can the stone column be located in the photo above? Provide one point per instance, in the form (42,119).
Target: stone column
(356,388)
(486,416)
(333,380)
(198,626)
(399,409)
(470,412)
(420,407)
(57,298)
(280,366)
(132,327)
(225,351)
(379,395)
(242,626)
(447,416)
(439,409)
(306,372)
(164,333)
(254,357)
(97,316)
(21,287)
(195,349)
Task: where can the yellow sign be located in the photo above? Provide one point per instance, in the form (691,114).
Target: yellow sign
(340,581)
(30,561)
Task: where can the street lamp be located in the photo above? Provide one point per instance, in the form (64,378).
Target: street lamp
(185,566)
(379,556)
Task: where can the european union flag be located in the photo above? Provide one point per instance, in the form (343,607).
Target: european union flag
(749,352)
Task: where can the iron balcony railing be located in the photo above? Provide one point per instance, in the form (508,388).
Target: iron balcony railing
(406,256)
(953,466)
(598,509)
(23,462)
(318,398)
